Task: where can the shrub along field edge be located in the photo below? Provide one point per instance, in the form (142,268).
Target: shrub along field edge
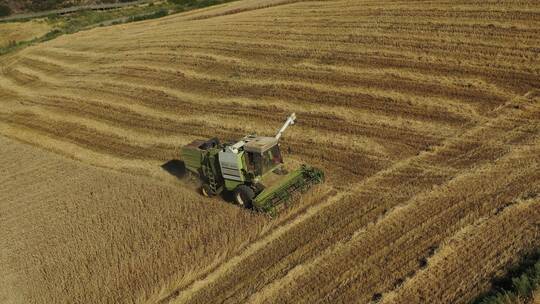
(519,284)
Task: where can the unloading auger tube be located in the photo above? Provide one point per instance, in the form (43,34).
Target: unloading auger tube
(290,121)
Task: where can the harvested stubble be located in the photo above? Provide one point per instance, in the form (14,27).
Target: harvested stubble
(425,116)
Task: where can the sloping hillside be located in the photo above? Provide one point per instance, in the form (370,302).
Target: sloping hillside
(25,6)
(425,116)
(10,33)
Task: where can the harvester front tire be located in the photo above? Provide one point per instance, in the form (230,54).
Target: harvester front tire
(243,195)
(206,191)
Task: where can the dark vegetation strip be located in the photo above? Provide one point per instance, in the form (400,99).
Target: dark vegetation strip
(519,283)
(15,45)
(67,10)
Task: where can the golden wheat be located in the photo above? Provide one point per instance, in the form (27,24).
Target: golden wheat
(22,31)
(425,116)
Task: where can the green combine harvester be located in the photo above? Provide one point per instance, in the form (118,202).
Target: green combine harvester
(252,169)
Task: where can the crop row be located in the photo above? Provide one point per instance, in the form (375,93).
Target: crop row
(338,222)
(468,261)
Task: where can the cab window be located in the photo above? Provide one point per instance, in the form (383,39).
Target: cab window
(271,158)
(254,163)
(262,163)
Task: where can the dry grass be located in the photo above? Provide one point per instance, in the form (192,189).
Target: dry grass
(22,31)
(425,116)
(536,297)
(74,233)
(472,257)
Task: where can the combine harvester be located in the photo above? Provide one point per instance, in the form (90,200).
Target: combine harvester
(252,169)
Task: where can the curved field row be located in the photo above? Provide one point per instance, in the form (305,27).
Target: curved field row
(513,80)
(341,220)
(286,92)
(351,39)
(321,75)
(310,120)
(335,52)
(473,53)
(120,116)
(396,246)
(52,67)
(472,256)
(87,138)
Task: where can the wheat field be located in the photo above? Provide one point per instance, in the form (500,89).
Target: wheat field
(425,116)
(21,31)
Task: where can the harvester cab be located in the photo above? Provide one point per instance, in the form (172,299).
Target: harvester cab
(251,168)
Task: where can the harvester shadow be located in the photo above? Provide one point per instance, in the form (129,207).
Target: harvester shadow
(175,167)
(227,196)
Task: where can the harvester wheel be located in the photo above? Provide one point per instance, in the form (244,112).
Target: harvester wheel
(206,191)
(243,195)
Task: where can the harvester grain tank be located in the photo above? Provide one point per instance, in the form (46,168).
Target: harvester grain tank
(252,169)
